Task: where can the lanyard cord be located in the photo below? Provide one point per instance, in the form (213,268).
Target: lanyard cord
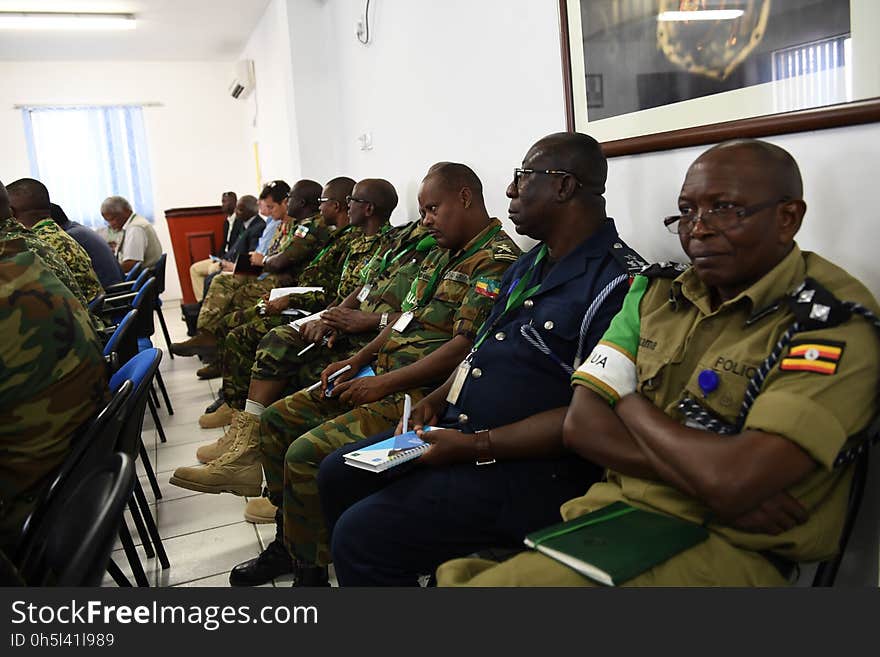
(411,303)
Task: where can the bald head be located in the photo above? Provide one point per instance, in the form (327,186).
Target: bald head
(380,193)
(778,168)
(306,194)
(29,199)
(454,176)
(338,188)
(577,153)
(28,194)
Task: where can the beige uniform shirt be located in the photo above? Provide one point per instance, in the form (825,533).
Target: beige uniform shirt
(816,410)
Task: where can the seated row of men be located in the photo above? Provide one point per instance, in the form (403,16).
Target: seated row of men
(572,375)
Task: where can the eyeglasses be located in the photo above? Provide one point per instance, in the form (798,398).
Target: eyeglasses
(518,173)
(353,199)
(721,218)
(326,199)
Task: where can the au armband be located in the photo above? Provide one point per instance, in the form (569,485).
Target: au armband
(609,371)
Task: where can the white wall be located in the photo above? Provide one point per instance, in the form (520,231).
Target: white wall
(196,139)
(479,82)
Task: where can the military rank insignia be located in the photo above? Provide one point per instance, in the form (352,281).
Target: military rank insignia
(301,231)
(487,287)
(819,356)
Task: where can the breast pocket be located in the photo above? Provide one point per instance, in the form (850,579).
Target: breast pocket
(559,327)
(722,391)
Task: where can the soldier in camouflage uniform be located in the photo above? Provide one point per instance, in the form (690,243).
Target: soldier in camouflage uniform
(347,255)
(32,207)
(446,304)
(302,233)
(52,378)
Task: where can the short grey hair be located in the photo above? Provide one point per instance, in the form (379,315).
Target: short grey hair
(115,205)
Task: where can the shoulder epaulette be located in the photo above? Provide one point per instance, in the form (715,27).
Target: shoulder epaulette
(631,261)
(814,307)
(663,270)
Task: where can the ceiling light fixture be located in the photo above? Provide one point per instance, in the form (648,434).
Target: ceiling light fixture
(18,20)
(700,15)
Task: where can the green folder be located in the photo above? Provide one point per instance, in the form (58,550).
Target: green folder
(617,542)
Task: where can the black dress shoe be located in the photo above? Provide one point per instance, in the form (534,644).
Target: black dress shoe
(273,562)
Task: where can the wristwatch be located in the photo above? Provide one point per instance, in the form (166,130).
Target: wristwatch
(484,448)
(383,320)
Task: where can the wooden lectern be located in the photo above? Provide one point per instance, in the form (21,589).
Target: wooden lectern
(196,233)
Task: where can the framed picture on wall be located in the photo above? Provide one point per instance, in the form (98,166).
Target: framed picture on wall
(648,75)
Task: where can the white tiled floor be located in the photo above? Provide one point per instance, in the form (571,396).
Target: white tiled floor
(204,535)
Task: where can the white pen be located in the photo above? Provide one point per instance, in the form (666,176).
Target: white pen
(330,378)
(306,349)
(407,410)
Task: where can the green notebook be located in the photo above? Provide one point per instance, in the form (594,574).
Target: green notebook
(616,543)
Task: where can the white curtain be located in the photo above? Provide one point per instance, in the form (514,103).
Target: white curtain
(85,154)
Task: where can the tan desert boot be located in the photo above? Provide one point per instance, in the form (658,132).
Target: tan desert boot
(260,511)
(211,451)
(219,418)
(237,471)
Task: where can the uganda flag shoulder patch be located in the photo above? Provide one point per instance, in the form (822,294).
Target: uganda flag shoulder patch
(819,356)
(487,287)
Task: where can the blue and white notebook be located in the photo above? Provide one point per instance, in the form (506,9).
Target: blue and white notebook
(388,453)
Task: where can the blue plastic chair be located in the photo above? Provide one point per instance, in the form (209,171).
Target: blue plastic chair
(133,272)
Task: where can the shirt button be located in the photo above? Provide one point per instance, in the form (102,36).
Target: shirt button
(477,373)
(549,325)
(528,303)
(500,336)
(463,419)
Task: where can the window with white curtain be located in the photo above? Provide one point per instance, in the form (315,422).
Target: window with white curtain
(85,154)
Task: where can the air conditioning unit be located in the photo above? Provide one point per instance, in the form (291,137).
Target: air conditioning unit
(242,79)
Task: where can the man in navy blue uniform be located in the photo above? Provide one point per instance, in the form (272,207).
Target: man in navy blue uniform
(497,470)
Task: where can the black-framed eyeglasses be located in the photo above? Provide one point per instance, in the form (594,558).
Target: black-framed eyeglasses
(721,218)
(518,173)
(354,199)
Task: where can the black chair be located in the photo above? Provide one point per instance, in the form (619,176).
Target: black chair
(827,571)
(75,539)
(140,371)
(134,271)
(159,272)
(92,443)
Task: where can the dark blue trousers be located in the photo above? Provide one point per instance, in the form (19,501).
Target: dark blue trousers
(389,528)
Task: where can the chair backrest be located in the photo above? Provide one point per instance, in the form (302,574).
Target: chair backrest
(133,271)
(97,303)
(145,302)
(159,273)
(95,440)
(124,340)
(140,370)
(79,528)
(826,573)
(141,280)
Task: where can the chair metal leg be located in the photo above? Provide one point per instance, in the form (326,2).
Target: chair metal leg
(118,576)
(153,396)
(156,421)
(145,459)
(164,392)
(164,330)
(151,524)
(140,577)
(141,528)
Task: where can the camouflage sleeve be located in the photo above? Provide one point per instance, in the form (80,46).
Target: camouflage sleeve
(483,288)
(73,255)
(52,378)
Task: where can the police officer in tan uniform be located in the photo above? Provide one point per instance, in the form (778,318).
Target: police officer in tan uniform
(768,492)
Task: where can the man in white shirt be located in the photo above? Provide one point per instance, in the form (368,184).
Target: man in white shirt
(139,242)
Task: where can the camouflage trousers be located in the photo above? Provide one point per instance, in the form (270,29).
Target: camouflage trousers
(229,293)
(264,351)
(296,434)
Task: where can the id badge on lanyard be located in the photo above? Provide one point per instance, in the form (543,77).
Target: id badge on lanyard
(461,374)
(403,321)
(364,293)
